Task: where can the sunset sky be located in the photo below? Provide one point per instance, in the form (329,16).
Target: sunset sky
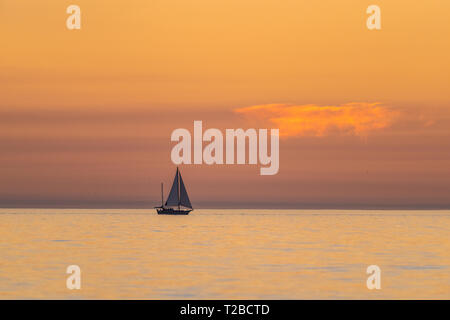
(364,116)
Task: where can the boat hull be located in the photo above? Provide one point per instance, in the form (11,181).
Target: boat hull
(173,212)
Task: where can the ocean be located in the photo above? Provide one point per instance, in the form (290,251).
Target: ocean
(224,254)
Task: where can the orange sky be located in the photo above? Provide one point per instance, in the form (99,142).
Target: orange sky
(86,115)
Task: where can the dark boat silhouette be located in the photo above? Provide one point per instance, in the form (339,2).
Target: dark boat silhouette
(178,202)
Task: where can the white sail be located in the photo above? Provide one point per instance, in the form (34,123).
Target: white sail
(174,198)
(184,198)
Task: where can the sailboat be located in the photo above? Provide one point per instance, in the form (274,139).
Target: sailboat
(178,202)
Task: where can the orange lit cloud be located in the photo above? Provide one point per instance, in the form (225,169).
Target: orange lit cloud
(356,118)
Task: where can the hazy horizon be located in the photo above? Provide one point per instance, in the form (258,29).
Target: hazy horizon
(226,206)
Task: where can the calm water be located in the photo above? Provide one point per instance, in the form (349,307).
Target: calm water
(224,254)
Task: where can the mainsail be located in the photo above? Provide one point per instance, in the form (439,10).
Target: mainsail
(178,195)
(173,198)
(184,198)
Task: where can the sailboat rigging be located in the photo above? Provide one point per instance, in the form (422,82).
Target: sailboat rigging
(177,202)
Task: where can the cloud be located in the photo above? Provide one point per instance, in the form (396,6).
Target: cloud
(356,118)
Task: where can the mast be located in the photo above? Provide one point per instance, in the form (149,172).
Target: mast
(162,195)
(178,186)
